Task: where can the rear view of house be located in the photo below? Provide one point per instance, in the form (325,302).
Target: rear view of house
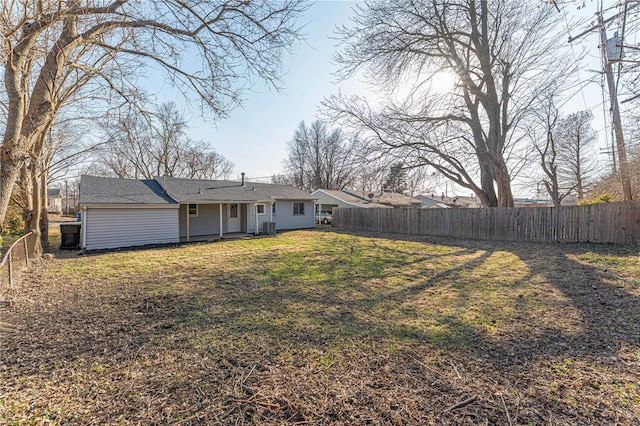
(131,212)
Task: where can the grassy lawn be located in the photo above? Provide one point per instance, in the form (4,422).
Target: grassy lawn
(325,327)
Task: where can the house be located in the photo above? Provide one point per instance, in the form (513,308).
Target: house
(431,201)
(54,200)
(328,199)
(130,212)
(529,202)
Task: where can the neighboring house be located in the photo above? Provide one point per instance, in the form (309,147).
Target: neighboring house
(432,201)
(131,212)
(54,200)
(529,202)
(328,199)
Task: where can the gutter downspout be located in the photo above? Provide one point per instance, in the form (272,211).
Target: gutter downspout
(83,225)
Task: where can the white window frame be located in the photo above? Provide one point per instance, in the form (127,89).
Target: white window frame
(299,213)
(264,209)
(273,208)
(189,210)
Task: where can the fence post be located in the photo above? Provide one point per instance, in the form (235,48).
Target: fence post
(10,269)
(26,252)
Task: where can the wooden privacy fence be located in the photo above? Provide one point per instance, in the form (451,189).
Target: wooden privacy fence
(17,257)
(617,223)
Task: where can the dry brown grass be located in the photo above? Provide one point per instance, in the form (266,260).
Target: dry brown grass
(324,327)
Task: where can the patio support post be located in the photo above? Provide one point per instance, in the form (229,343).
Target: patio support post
(188,234)
(255,214)
(220,220)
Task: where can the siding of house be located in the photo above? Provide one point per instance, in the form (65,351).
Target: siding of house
(127,227)
(206,223)
(251,217)
(285,219)
(54,205)
(329,201)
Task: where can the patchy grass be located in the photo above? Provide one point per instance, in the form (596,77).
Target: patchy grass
(327,327)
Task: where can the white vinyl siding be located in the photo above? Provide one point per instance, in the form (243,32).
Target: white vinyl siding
(123,227)
(285,219)
(206,223)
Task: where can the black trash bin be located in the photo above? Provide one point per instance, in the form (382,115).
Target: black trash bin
(70,236)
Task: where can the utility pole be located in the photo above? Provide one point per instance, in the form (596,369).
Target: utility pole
(615,109)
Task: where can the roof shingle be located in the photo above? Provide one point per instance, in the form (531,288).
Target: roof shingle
(102,190)
(170,190)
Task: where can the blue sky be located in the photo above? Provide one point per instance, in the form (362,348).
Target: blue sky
(254,137)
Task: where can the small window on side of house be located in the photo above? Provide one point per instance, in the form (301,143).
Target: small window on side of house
(273,208)
(193,210)
(298,208)
(260,209)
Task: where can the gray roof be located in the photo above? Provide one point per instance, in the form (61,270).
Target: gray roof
(386,198)
(101,190)
(54,192)
(214,191)
(428,202)
(351,199)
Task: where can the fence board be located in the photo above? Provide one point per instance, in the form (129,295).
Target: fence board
(617,223)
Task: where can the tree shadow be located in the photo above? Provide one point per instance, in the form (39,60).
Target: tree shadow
(239,318)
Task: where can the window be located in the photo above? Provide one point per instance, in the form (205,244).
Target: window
(298,208)
(260,208)
(273,208)
(193,210)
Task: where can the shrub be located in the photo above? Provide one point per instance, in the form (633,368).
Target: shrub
(597,199)
(13,222)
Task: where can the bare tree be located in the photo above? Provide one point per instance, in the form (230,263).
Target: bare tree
(576,139)
(144,146)
(52,45)
(319,158)
(502,54)
(543,133)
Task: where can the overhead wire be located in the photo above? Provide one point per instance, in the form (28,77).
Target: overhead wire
(575,59)
(607,116)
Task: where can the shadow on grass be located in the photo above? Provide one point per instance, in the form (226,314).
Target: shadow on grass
(357,298)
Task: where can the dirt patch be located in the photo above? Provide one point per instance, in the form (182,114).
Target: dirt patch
(326,327)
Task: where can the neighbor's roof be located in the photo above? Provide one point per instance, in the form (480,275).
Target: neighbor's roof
(395,199)
(350,198)
(101,190)
(202,191)
(429,202)
(54,192)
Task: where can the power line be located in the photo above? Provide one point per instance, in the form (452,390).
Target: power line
(575,59)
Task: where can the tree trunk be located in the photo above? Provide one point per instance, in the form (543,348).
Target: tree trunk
(490,199)
(44,220)
(33,221)
(9,170)
(505,196)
